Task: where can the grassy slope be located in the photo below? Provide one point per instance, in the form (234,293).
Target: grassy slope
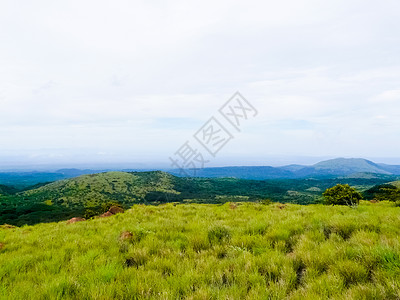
(119,186)
(209,251)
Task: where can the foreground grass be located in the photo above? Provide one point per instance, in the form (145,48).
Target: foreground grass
(198,251)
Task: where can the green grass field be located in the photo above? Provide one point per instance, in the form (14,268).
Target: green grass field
(205,251)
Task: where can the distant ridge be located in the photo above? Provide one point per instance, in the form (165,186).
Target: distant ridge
(350,165)
(333,168)
(338,167)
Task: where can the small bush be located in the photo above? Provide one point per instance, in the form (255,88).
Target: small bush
(266,201)
(342,194)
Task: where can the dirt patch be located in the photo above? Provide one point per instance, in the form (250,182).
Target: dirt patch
(126,235)
(106,214)
(112,211)
(74,220)
(232,205)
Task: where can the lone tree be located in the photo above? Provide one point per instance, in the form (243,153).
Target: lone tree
(342,194)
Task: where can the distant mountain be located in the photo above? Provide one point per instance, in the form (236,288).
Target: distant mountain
(339,167)
(349,165)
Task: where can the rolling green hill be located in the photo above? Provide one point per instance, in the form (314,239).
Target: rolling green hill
(74,197)
(126,188)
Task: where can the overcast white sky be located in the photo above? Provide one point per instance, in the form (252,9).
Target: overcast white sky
(131,81)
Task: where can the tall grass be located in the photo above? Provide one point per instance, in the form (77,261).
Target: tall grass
(199,251)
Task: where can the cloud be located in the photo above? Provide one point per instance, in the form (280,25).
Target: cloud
(387,96)
(140,77)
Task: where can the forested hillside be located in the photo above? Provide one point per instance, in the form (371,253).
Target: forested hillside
(87,195)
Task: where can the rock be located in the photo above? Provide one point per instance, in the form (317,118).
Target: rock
(116,210)
(74,220)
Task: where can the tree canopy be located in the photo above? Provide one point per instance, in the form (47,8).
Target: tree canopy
(342,194)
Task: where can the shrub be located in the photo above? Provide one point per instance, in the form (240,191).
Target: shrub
(266,201)
(390,194)
(379,191)
(90,213)
(342,194)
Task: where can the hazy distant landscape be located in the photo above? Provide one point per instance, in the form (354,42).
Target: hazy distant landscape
(33,197)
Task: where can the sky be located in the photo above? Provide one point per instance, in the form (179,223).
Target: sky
(129,82)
